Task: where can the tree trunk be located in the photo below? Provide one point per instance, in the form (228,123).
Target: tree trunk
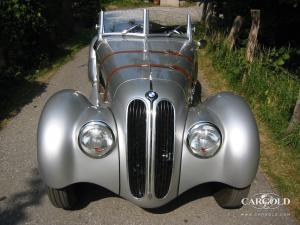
(252,39)
(236,27)
(296,115)
(2,58)
(208,14)
(204,9)
(156,2)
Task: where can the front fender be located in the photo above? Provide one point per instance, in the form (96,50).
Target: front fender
(60,159)
(237,161)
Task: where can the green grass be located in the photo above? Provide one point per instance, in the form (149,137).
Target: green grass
(270,90)
(272,93)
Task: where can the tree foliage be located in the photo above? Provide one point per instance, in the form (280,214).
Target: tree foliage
(280,19)
(32,30)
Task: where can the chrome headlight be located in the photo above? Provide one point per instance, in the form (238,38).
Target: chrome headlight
(204,140)
(96,139)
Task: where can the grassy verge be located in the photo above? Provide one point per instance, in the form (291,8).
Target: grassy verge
(15,93)
(272,90)
(279,161)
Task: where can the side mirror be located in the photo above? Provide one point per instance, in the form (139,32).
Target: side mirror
(202,43)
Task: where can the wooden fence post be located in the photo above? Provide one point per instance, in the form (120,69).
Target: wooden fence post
(208,17)
(252,39)
(296,115)
(204,8)
(235,29)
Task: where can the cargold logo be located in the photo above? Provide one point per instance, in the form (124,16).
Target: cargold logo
(266,201)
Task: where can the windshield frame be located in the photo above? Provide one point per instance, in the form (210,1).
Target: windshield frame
(145,32)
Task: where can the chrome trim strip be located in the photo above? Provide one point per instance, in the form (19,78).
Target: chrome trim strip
(189,28)
(146,22)
(100,31)
(150,152)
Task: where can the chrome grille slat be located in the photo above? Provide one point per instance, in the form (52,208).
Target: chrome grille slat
(164,147)
(136,137)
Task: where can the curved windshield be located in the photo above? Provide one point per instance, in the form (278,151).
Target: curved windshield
(164,22)
(126,21)
(160,22)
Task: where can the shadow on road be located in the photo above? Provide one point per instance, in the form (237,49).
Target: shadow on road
(88,193)
(16,93)
(91,192)
(14,211)
(16,204)
(193,194)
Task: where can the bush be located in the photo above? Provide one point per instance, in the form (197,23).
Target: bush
(22,26)
(32,31)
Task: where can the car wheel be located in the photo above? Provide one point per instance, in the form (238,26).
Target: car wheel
(196,96)
(65,198)
(230,198)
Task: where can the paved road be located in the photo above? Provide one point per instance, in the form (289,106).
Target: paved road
(22,194)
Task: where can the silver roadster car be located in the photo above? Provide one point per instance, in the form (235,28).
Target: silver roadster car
(144,132)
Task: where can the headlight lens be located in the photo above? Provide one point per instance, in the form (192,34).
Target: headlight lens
(96,139)
(204,140)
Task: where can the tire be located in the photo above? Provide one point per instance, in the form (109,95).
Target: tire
(65,198)
(230,198)
(196,97)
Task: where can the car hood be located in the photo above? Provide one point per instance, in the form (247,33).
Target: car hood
(124,59)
